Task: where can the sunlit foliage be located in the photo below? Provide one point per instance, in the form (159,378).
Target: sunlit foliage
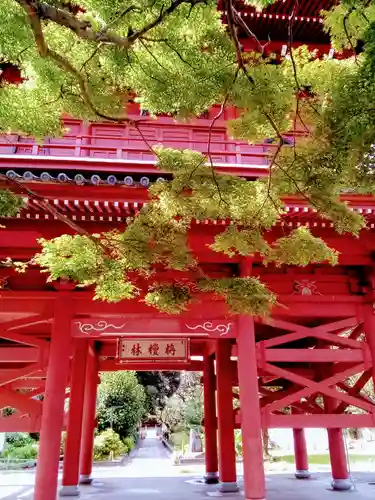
(178,57)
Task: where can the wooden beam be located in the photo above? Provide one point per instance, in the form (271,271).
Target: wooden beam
(322,387)
(313,355)
(111,366)
(21,402)
(298,355)
(17,423)
(321,332)
(271,397)
(307,407)
(355,390)
(30,383)
(301,421)
(318,421)
(24,322)
(28,340)
(8,376)
(17,354)
(327,306)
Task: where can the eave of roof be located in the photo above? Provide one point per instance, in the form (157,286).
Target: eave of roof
(113,203)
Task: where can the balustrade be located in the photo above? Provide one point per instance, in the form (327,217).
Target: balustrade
(121,142)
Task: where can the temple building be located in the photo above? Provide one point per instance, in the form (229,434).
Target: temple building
(292,369)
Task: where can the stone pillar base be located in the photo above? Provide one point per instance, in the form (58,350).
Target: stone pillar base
(85,479)
(228,487)
(302,474)
(341,484)
(211,478)
(69,491)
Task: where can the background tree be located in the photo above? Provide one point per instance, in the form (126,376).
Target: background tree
(159,386)
(177,56)
(184,410)
(121,402)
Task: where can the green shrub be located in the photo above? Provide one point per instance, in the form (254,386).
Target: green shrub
(19,439)
(62,443)
(30,451)
(121,402)
(238,442)
(129,443)
(108,443)
(179,439)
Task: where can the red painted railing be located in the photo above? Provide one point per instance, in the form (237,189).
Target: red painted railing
(119,142)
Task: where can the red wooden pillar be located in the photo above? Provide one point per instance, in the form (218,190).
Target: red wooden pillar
(73,439)
(339,466)
(225,414)
(253,467)
(368,313)
(300,454)
(210,423)
(251,425)
(89,414)
(337,453)
(54,400)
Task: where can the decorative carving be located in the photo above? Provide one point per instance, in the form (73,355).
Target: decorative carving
(211,328)
(305,287)
(99,326)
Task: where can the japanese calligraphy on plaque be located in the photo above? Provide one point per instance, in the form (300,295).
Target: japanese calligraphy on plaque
(146,350)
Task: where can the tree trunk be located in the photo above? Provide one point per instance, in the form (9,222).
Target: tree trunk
(266,441)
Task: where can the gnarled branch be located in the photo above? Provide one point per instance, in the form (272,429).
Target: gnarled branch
(84,30)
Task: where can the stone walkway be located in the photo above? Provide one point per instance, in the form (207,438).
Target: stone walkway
(150,475)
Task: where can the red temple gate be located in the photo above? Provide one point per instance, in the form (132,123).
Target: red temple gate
(292,370)
(303,367)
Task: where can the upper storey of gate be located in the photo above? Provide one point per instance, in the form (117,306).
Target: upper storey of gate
(117,153)
(272,24)
(108,152)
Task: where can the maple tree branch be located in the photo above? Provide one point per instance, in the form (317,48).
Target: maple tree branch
(132,8)
(234,17)
(45,52)
(37,11)
(31,6)
(239,20)
(294,66)
(162,15)
(221,111)
(91,56)
(65,64)
(295,183)
(214,120)
(43,203)
(241,63)
(36,26)
(345,26)
(153,56)
(164,40)
(233,35)
(269,183)
(84,30)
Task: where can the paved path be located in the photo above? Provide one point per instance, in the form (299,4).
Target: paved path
(150,458)
(151,475)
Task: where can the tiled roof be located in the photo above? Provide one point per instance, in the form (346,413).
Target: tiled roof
(81,179)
